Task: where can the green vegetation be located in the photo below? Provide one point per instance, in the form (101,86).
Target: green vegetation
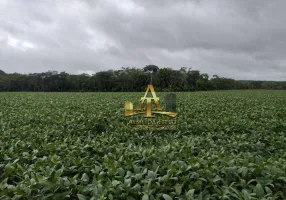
(229,145)
(128,80)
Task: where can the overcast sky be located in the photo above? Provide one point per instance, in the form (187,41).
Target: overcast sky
(241,39)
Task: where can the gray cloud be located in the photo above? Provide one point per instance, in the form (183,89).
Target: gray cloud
(240,39)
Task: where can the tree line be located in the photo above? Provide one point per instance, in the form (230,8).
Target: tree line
(128,79)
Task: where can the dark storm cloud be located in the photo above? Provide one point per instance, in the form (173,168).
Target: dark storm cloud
(240,39)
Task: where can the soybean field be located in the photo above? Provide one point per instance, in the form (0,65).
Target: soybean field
(227,145)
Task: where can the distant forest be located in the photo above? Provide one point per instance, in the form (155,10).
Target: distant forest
(128,80)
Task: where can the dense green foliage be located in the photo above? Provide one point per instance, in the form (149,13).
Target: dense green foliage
(229,145)
(2,72)
(128,79)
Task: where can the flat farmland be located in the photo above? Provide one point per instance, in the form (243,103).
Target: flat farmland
(228,145)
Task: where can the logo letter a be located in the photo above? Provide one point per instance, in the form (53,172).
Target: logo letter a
(154,97)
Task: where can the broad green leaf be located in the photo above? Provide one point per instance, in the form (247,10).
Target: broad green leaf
(167,197)
(145,197)
(81,197)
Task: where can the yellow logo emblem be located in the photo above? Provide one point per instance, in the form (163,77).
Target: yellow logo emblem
(129,111)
